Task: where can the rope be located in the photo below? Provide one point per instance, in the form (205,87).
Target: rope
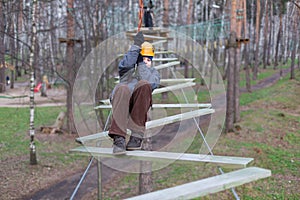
(141,13)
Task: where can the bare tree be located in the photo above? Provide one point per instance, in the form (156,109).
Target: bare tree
(166,14)
(33,159)
(295,38)
(229,123)
(70,64)
(266,30)
(257,38)
(279,35)
(2,50)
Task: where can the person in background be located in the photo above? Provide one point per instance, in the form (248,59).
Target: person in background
(148,15)
(7,80)
(132,97)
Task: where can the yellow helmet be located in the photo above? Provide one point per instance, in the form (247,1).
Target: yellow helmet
(147,49)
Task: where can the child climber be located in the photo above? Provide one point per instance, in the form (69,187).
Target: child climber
(132,97)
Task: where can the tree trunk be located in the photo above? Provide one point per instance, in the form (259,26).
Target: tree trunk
(294,44)
(257,37)
(230,85)
(166,14)
(278,39)
(271,27)
(12,51)
(229,122)
(145,177)
(2,49)
(189,20)
(266,30)
(179,16)
(237,117)
(237,64)
(33,160)
(70,64)
(247,68)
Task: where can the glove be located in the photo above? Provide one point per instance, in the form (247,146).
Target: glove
(139,39)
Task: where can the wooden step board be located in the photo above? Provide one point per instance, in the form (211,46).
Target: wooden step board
(188,105)
(233,162)
(209,185)
(156,53)
(148,37)
(96,136)
(156,123)
(166,65)
(159,42)
(164,52)
(173,87)
(176,80)
(163,89)
(167,81)
(179,117)
(164,59)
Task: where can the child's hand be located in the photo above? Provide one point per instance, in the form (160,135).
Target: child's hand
(139,39)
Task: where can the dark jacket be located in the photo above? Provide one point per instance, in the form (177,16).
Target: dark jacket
(132,69)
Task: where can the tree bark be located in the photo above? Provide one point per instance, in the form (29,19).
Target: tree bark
(271,28)
(2,49)
(230,86)
(257,37)
(266,30)
(247,68)
(166,14)
(145,177)
(294,44)
(229,122)
(278,38)
(189,20)
(70,64)
(33,159)
(237,64)
(13,53)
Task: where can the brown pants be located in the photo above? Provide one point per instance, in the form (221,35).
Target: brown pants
(130,110)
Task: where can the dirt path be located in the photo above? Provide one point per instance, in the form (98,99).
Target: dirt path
(19,96)
(267,82)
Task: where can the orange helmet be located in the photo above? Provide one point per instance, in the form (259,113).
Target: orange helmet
(147,49)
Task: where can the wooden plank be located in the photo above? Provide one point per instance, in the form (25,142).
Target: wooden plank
(105,101)
(178,117)
(173,87)
(164,52)
(98,136)
(164,59)
(166,65)
(159,42)
(187,105)
(167,81)
(161,90)
(232,161)
(176,80)
(156,123)
(153,30)
(209,185)
(148,37)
